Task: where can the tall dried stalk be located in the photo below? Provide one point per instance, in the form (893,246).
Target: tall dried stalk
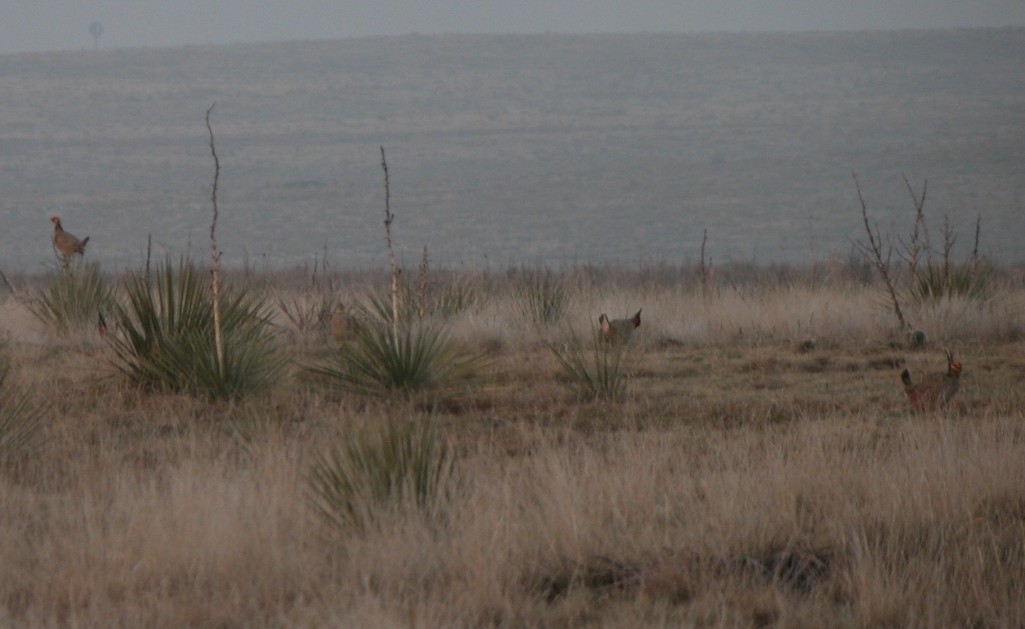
(215,255)
(920,234)
(422,296)
(706,270)
(388,218)
(149,251)
(873,251)
(975,247)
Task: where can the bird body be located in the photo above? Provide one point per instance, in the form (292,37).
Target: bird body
(618,330)
(65,243)
(343,324)
(936,390)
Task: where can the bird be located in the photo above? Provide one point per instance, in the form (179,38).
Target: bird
(65,243)
(935,390)
(618,330)
(343,324)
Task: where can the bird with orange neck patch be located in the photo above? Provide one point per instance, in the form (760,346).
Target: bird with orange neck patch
(935,390)
(65,243)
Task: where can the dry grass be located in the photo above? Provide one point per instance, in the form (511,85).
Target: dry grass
(747,479)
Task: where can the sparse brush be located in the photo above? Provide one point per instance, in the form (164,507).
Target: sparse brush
(448,299)
(166,337)
(21,420)
(594,368)
(383,359)
(308,312)
(936,282)
(542,298)
(398,464)
(72,299)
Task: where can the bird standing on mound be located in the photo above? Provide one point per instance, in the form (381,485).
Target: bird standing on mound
(618,330)
(936,390)
(67,245)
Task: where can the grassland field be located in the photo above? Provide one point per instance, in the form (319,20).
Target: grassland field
(761,469)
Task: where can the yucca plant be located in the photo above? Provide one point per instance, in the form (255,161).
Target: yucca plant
(166,336)
(400,464)
(443,299)
(969,280)
(541,297)
(21,420)
(594,368)
(307,312)
(383,359)
(72,299)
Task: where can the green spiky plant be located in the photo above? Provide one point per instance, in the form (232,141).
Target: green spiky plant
(166,336)
(594,368)
(541,297)
(383,359)
(21,419)
(397,464)
(73,299)
(397,349)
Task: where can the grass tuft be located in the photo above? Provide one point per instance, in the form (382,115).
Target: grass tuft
(542,297)
(593,368)
(383,359)
(20,420)
(398,464)
(166,338)
(72,299)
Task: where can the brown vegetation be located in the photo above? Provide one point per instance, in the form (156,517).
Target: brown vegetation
(744,480)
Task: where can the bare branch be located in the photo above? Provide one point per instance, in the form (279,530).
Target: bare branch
(920,234)
(873,252)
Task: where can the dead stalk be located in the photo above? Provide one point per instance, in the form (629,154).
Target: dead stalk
(920,233)
(975,248)
(149,252)
(706,270)
(424,266)
(388,218)
(215,255)
(873,251)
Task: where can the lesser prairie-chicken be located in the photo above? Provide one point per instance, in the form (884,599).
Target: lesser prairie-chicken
(343,324)
(618,330)
(935,390)
(66,244)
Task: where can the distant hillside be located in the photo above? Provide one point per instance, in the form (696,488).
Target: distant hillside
(617,148)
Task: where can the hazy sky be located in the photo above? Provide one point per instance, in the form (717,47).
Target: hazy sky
(27,25)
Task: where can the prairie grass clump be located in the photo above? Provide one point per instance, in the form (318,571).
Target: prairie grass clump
(930,273)
(72,299)
(448,298)
(542,297)
(309,312)
(167,333)
(594,367)
(968,279)
(383,358)
(398,464)
(21,420)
